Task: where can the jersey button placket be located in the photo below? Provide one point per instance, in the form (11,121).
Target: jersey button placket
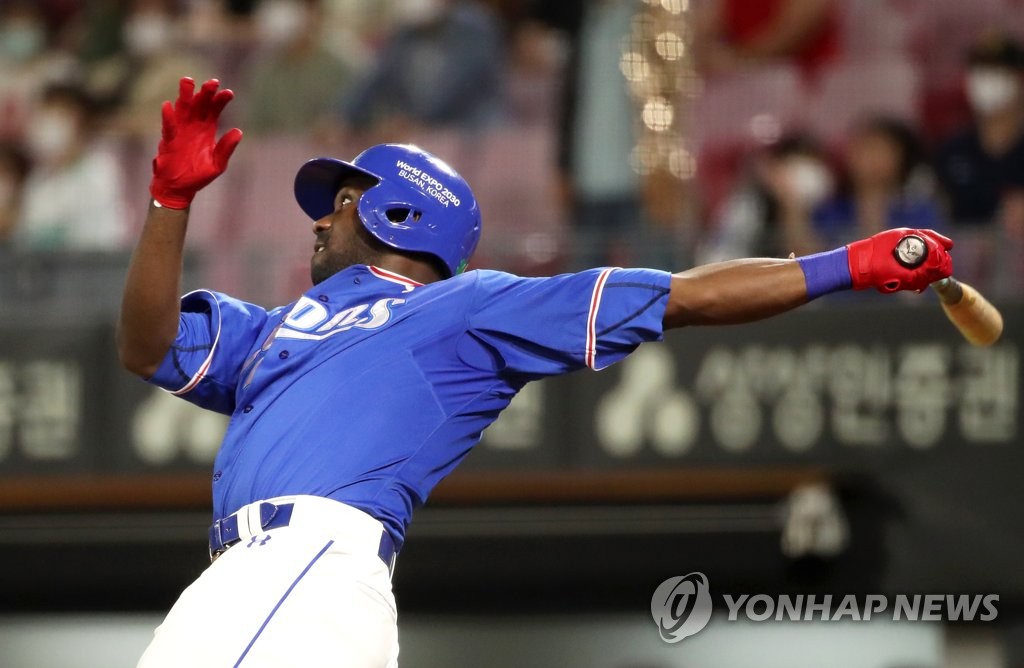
(283,354)
(247,409)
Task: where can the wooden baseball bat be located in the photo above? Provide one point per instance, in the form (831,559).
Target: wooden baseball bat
(975,317)
(972,314)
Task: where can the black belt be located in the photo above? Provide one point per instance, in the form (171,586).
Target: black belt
(224,532)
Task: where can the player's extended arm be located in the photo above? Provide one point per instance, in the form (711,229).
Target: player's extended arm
(189,157)
(740,291)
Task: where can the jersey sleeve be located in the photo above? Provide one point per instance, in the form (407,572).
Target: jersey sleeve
(548,326)
(215,334)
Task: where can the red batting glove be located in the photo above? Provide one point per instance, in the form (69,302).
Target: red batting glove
(189,157)
(873,262)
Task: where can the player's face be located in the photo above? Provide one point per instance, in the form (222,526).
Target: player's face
(341,239)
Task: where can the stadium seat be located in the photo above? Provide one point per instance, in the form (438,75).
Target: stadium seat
(512,177)
(755,105)
(850,90)
(943,30)
(873,29)
(265,239)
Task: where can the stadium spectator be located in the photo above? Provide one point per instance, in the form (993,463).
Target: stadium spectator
(601,192)
(767,213)
(443,67)
(72,197)
(886,186)
(295,81)
(14,168)
(732,34)
(97,34)
(536,63)
(28,63)
(981,169)
(155,61)
(23,32)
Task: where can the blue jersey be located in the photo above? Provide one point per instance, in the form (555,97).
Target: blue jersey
(371,387)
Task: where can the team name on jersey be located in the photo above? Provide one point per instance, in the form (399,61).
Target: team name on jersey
(313,321)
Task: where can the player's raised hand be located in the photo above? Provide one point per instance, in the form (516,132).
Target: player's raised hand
(190,156)
(884,263)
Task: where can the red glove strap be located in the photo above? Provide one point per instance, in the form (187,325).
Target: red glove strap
(166,197)
(860,264)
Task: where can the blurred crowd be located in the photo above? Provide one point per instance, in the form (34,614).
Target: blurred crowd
(802,124)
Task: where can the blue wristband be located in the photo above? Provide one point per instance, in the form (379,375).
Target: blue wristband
(826,272)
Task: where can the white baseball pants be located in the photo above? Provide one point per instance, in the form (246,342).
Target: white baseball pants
(313,593)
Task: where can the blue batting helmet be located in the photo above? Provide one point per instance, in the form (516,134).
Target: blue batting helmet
(419,203)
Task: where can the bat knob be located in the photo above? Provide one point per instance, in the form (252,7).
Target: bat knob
(949,290)
(910,251)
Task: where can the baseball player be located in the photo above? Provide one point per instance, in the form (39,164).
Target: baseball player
(348,405)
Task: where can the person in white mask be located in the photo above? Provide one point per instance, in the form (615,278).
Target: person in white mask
(768,211)
(22,34)
(981,168)
(72,199)
(29,59)
(793,203)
